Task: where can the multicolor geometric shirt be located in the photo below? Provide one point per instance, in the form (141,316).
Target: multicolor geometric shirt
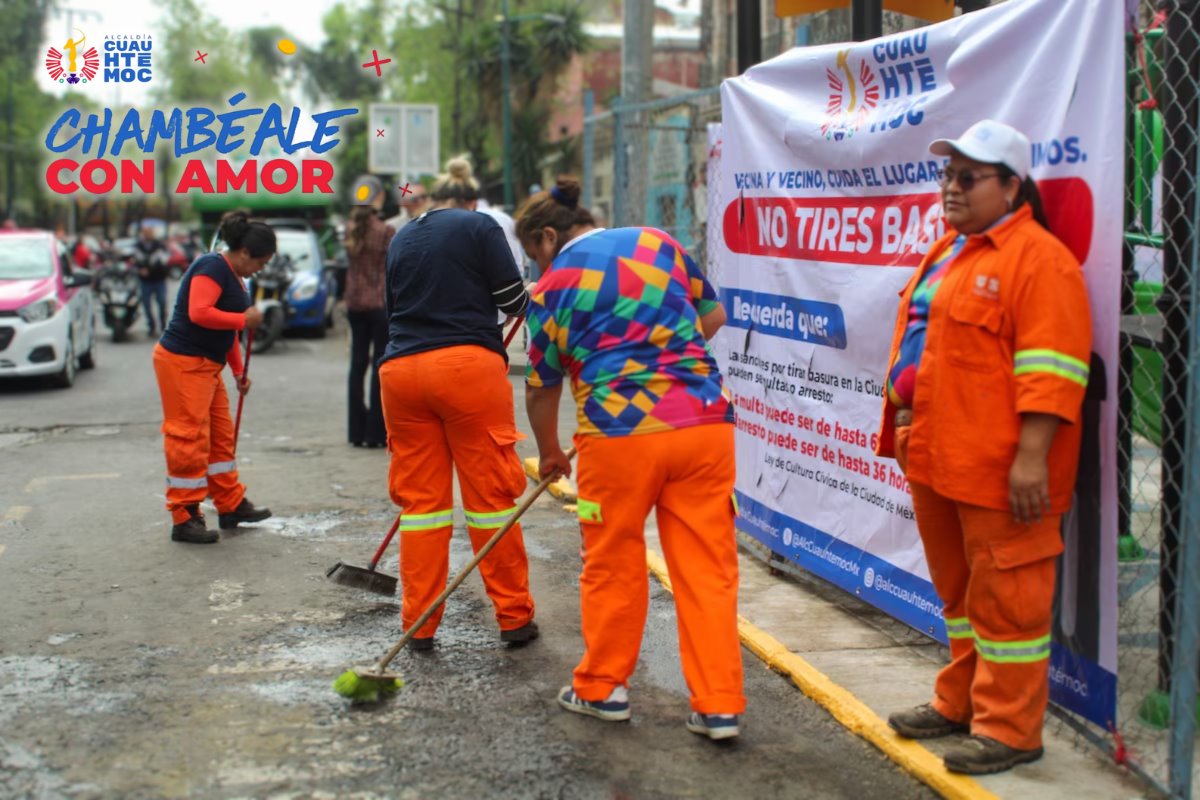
(902,377)
(619,312)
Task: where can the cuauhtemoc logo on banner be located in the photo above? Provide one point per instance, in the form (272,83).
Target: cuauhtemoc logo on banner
(869,577)
(852,98)
(787,537)
(69,65)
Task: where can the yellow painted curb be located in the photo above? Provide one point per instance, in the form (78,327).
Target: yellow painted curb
(845,707)
(562,488)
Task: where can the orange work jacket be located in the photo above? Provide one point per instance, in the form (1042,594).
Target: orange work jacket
(1009,332)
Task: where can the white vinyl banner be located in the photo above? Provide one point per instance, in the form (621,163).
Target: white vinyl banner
(828,197)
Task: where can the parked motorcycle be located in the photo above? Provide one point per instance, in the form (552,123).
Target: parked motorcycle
(119,292)
(268,289)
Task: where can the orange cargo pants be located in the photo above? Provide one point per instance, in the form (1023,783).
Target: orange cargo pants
(687,476)
(197,434)
(996,578)
(448,409)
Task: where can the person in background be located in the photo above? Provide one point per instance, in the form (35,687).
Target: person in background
(412,205)
(198,435)
(448,404)
(625,314)
(509,227)
(988,367)
(367,240)
(151,257)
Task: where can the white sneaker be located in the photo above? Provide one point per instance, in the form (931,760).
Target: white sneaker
(714,726)
(613,709)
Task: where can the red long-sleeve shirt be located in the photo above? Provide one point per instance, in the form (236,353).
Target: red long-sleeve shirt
(202,310)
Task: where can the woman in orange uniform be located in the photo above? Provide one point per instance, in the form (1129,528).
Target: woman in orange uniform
(625,314)
(212,305)
(447,403)
(989,364)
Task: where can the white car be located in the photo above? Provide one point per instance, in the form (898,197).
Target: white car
(47,324)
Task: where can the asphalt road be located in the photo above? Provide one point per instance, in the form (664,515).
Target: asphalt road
(132,666)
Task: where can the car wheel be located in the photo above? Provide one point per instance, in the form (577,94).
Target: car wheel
(88,359)
(65,379)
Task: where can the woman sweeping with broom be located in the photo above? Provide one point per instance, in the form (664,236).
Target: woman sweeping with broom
(198,434)
(448,405)
(625,314)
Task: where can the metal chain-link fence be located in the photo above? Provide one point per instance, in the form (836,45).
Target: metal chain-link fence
(648,165)
(1157,450)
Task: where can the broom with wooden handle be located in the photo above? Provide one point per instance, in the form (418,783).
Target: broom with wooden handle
(365,683)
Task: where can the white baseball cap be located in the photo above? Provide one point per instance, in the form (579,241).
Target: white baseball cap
(991,142)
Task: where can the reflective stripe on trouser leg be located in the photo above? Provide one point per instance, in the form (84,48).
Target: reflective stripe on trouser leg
(945,553)
(186,385)
(1010,601)
(504,567)
(695,525)
(424,568)
(223,484)
(421,482)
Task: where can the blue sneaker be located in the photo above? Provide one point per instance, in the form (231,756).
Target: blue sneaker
(714,726)
(614,709)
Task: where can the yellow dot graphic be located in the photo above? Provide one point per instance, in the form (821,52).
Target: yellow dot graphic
(362,192)
(286,46)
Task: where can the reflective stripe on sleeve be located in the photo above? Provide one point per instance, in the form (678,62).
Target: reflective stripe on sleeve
(1025,652)
(489,519)
(424,522)
(221,466)
(186,483)
(1051,362)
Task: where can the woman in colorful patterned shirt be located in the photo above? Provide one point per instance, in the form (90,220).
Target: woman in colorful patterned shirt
(989,368)
(625,314)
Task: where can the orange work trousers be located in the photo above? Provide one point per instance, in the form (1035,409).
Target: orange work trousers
(996,578)
(687,476)
(445,410)
(197,434)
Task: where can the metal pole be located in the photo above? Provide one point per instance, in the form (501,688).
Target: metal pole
(1187,604)
(505,90)
(1181,401)
(636,81)
(619,171)
(1180,105)
(866,20)
(589,136)
(10,160)
(749,34)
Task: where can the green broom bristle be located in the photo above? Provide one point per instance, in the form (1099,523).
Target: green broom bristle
(350,685)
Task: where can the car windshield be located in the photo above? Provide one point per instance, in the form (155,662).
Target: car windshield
(296,245)
(24,257)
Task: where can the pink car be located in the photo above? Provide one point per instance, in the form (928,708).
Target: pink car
(47,324)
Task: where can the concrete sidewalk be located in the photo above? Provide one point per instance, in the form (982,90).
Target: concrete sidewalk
(888,666)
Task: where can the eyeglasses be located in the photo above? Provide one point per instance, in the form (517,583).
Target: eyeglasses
(966,179)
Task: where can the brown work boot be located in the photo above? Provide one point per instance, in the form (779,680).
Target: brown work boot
(981,755)
(924,722)
(245,512)
(193,530)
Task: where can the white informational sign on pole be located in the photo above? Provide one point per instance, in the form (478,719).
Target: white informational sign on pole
(384,153)
(409,146)
(828,198)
